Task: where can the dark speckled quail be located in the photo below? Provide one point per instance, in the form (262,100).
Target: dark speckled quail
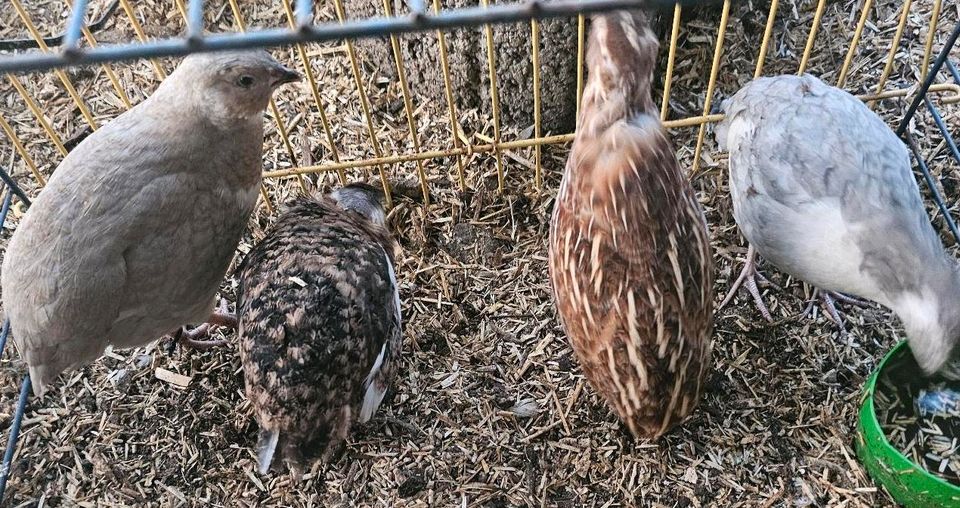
(320,331)
(629,252)
(823,189)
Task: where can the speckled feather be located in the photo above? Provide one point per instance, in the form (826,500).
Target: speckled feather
(630,257)
(316,306)
(824,190)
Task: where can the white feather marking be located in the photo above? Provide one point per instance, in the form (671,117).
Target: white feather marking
(628,29)
(633,167)
(675,264)
(621,391)
(375,392)
(668,414)
(595,273)
(638,365)
(393,282)
(376,389)
(266,447)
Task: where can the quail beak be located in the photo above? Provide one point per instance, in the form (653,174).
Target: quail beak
(282,75)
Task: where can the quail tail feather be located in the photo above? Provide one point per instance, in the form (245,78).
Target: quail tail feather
(266,448)
(376,389)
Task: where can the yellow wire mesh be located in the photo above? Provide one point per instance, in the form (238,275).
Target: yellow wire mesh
(767,31)
(37,113)
(931,32)
(888,67)
(459,146)
(857,33)
(535,41)
(141,36)
(671,59)
(365,105)
(814,28)
(494,99)
(315,91)
(451,106)
(714,70)
(407,105)
(62,76)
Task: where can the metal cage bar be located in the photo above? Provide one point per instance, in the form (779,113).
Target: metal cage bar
(71,39)
(944,130)
(448,91)
(141,36)
(767,32)
(304,13)
(62,76)
(932,184)
(365,106)
(13,438)
(858,31)
(714,71)
(494,98)
(292,18)
(17,191)
(407,105)
(14,430)
(195,21)
(355,29)
(928,80)
(812,37)
(671,58)
(535,52)
(894,46)
(953,72)
(903,127)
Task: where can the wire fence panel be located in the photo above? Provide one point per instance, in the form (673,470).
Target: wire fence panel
(77,46)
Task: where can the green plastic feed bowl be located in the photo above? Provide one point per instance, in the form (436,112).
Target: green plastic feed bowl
(908,483)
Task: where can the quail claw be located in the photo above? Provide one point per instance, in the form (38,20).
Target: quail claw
(191,337)
(748,278)
(828,301)
(223,317)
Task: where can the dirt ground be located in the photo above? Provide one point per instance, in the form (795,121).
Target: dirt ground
(490,407)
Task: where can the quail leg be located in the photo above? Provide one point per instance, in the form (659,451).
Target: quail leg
(828,301)
(748,278)
(223,317)
(192,338)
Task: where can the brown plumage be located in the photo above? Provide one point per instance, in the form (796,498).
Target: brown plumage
(319,319)
(630,257)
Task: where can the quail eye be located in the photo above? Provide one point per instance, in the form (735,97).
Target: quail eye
(245,81)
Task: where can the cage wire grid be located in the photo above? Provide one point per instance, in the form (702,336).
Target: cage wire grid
(428,18)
